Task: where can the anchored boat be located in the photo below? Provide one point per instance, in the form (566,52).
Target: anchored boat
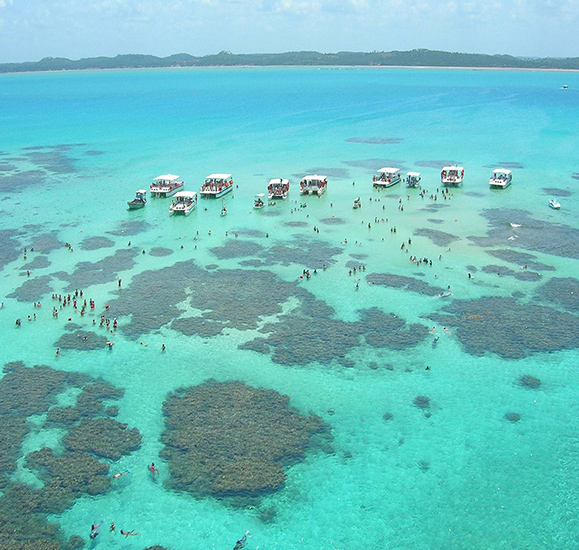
(387,177)
(501,178)
(278,188)
(217,185)
(452,175)
(313,185)
(183,202)
(166,185)
(413,179)
(139,201)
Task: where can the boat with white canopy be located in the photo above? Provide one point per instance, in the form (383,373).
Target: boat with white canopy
(452,175)
(501,178)
(258,202)
(217,185)
(387,177)
(183,202)
(413,179)
(313,185)
(166,185)
(278,188)
(139,201)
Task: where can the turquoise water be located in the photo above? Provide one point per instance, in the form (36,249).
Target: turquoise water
(75,147)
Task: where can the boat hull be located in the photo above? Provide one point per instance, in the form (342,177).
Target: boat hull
(162,192)
(386,184)
(136,205)
(216,194)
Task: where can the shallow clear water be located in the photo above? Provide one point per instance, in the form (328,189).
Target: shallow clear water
(76,146)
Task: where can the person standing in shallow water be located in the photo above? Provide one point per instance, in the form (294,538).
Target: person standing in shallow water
(154,471)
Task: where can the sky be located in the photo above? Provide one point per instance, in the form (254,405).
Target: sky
(33,29)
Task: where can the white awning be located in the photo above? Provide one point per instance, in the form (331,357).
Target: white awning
(315,177)
(389,170)
(279,181)
(413,174)
(218,176)
(502,171)
(142,192)
(167,177)
(457,168)
(185,194)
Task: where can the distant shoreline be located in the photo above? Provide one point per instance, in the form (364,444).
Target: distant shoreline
(415,59)
(334,67)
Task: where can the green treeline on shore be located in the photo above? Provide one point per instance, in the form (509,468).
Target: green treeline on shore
(413,58)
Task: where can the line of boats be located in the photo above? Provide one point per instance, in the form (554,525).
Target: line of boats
(218,185)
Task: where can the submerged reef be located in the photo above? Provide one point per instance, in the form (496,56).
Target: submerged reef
(508,328)
(520,259)
(561,291)
(532,234)
(81,340)
(65,475)
(235,299)
(406,283)
(439,238)
(228,439)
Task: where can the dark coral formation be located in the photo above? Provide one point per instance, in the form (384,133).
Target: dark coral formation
(534,234)
(439,238)
(556,192)
(129,228)
(81,340)
(102,271)
(521,275)
(529,382)
(114,439)
(10,247)
(40,262)
(236,248)
(520,259)
(406,283)
(33,290)
(96,243)
(160,251)
(311,334)
(561,291)
(512,417)
(229,439)
(422,402)
(509,329)
(66,476)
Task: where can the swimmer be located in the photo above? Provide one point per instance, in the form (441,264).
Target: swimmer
(241,542)
(116,476)
(433,330)
(58,352)
(447,331)
(154,471)
(144,345)
(112,528)
(163,347)
(94,531)
(130,533)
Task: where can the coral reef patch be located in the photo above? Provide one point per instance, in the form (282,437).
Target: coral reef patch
(227,439)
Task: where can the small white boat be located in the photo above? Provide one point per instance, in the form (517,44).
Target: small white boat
(223,211)
(501,178)
(183,203)
(258,202)
(553,203)
(139,201)
(166,185)
(278,188)
(357,203)
(413,179)
(313,185)
(452,175)
(565,86)
(387,177)
(217,185)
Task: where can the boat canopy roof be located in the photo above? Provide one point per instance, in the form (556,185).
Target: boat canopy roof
(260,195)
(218,176)
(278,180)
(413,174)
(315,177)
(141,192)
(457,168)
(502,171)
(185,194)
(388,170)
(167,177)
